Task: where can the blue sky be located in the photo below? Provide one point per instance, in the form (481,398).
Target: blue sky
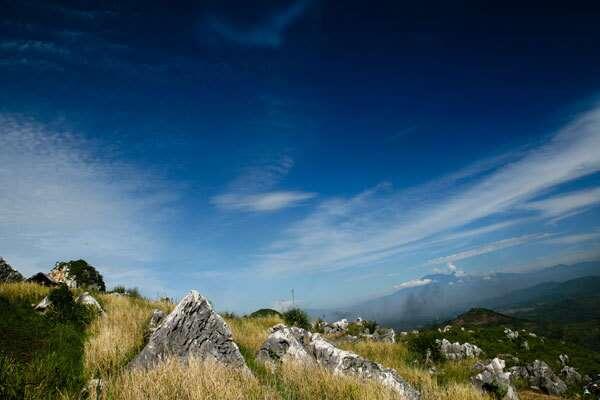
(341,150)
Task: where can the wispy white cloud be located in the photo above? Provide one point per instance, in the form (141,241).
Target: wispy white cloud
(251,190)
(575,238)
(59,201)
(269,201)
(376,224)
(486,248)
(568,203)
(268,32)
(413,283)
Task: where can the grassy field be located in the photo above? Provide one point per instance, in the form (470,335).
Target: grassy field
(55,360)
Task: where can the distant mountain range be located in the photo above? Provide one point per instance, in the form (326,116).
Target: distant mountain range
(444,296)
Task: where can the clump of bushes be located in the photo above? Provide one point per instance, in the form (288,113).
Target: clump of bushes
(133,292)
(83,273)
(296,317)
(265,312)
(419,344)
(65,309)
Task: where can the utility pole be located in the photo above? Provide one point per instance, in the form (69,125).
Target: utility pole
(293,300)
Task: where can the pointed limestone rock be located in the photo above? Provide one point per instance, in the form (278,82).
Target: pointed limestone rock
(193,329)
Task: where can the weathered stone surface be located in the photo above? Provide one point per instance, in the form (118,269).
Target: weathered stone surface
(539,374)
(43,305)
(386,335)
(492,378)
(512,335)
(293,344)
(570,375)
(8,274)
(42,279)
(336,327)
(157,318)
(193,329)
(457,351)
(88,300)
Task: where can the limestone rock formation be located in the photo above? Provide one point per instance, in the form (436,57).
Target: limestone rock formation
(193,329)
(492,378)
(457,351)
(8,274)
(538,374)
(88,300)
(157,318)
(286,344)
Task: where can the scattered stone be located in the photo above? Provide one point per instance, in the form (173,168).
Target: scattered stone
(8,274)
(43,305)
(564,360)
(414,332)
(403,333)
(192,329)
(512,335)
(385,335)
(525,345)
(531,334)
(445,329)
(539,375)
(570,375)
(492,378)
(286,344)
(87,300)
(593,387)
(337,327)
(457,351)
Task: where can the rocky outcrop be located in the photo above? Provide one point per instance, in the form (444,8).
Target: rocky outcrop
(510,334)
(88,300)
(457,351)
(8,274)
(385,335)
(337,327)
(286,344)
(492,378)
(593,386)
(42,279)
(539,375)
(193,329)
(156,319)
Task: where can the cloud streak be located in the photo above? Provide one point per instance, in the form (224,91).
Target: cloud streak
(378,223)
(59,201)
(270,201)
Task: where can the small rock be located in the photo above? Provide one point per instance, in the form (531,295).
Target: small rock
(570,375)
(43,305)
(492,378)
(88,300)
(457,351)
(564,359)
(512,335)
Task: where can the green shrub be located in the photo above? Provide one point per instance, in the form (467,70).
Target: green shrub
(83,273)
(265,312)
(64,308)
(119,289)
(229,315)
(296,317)
(419,344)
(370,325)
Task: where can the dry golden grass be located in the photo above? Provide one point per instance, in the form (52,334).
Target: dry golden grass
(531,395)
(251,333)
(117,335)
(194,380)
(24,291)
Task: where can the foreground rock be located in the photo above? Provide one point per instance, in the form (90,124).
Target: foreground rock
(493,379)
(193,329)
(157,318)
(8,274)
(297,345)
(457,351)
(539,375)
(86,299)
(43,305)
